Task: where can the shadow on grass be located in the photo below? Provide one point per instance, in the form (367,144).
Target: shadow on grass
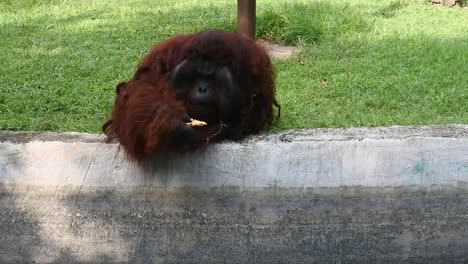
(417,80)
(391,9)
(310,22)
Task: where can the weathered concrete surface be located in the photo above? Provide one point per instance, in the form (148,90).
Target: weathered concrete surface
(385,195)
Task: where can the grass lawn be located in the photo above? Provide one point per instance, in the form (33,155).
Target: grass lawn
(363,62)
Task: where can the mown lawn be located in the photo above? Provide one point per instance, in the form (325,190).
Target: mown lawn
(363,62)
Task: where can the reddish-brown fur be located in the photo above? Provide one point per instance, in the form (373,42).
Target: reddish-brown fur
(147,116)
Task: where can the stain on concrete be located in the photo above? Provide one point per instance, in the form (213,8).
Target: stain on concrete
(420,167)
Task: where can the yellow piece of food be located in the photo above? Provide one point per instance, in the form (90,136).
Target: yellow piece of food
(196,123)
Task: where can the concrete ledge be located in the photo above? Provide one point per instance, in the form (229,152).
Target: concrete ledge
(360,195)
(395,156)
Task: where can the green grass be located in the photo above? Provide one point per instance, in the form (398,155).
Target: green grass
(363,63)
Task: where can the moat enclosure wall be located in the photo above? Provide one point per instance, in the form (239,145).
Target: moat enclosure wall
(359,195)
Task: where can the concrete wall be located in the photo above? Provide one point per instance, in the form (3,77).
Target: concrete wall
(308,196)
